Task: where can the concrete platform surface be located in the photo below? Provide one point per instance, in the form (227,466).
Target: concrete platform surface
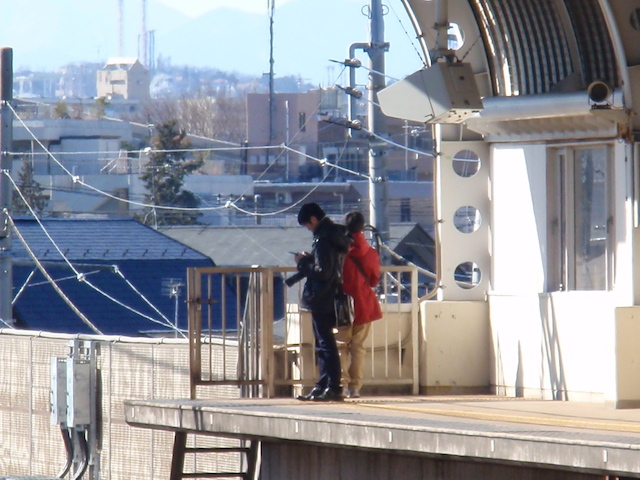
(585,437)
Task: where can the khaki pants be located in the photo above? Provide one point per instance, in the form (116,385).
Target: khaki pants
(351,347)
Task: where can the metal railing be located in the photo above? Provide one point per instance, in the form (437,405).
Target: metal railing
(246,330)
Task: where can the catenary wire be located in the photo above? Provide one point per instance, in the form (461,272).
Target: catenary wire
(44,272)
(411,40)
(76,178)
(288,147)
(304,197)
(81,277)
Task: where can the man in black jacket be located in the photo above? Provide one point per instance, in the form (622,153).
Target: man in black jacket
(323,270)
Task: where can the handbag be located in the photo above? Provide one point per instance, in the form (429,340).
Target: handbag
(344,309)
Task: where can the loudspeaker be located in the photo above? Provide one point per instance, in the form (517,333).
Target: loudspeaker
(441,93)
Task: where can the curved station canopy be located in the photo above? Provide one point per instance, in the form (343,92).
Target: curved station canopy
(537,47)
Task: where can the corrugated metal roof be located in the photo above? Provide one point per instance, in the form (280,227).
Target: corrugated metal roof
(256,245)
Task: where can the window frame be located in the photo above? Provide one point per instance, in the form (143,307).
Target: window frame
(562,220)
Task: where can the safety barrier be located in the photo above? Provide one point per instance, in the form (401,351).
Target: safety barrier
(245,329)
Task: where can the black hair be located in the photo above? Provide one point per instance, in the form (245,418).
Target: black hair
(354,221)
(309,210)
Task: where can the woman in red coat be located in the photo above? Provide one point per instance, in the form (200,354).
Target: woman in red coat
(360,274)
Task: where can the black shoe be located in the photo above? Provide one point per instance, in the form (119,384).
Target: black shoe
(329,395)
(311,395)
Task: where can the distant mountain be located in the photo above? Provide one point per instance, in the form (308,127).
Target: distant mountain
(47,34)
(306,35)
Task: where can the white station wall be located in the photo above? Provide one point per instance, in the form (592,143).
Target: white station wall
(518,180)
(559,345)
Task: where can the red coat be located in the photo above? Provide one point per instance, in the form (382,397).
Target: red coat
(365,301)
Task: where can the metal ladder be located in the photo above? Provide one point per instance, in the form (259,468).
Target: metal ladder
(180,449)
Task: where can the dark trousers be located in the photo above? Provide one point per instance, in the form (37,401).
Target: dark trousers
(327,355)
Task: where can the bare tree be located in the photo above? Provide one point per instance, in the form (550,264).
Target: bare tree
(220,116)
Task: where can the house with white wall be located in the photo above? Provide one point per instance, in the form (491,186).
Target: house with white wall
(124,78)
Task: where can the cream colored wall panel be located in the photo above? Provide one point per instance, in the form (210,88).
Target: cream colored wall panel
(455,349)
(627,372)
(456,247)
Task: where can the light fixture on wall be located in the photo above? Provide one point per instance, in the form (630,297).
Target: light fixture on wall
(601,98)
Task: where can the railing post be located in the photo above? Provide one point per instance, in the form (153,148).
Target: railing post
(415,331)
(194,290)
(266,340)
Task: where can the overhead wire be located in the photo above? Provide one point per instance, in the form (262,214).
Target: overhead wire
(408,262)
(24,285)
(6,324)
(76,178)
(81,277)
(324,162)
(288,148)
(250,238)
(304,197)
(395,144)
(407,33)
(230,204)
(44,272)
(64,279)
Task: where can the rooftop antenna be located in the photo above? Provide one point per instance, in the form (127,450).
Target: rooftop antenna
(272,105)
(143,34)
(120,26)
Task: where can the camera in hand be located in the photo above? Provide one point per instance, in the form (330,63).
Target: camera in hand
(293,279)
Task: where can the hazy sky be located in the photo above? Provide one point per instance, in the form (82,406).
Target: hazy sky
(402,59)
(301,49)
(194,8)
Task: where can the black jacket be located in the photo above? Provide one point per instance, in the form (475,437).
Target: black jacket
(323,268)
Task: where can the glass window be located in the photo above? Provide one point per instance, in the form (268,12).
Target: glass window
(590,221)
(405,210)
(580,216)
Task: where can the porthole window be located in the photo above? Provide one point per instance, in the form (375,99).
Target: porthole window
(467,219)
(466,163)
(467,275)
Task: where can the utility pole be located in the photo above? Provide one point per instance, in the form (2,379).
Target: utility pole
(6,145)
(378,188)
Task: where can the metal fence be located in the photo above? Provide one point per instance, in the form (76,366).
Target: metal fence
(245,329)
(129,368)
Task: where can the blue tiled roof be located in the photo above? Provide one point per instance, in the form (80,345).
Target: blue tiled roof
(104,239)
(144,259)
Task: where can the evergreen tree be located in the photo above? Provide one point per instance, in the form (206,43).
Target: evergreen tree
(164,177)
(61,110)
(31,191)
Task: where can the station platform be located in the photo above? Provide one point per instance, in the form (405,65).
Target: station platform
(589,438)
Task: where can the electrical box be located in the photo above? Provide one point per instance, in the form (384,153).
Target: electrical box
(78,392)
(58,392)
(441,93)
